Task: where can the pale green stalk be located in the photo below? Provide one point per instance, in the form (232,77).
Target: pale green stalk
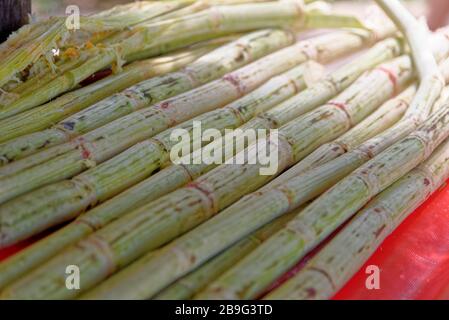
(340,259)
(176,176)
(158,222)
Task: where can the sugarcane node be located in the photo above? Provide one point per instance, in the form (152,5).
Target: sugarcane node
(210,203)
(392,77)
(342,106)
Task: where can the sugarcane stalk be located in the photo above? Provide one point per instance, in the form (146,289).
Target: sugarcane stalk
(207,68)
(157,151)
(176,176)
(333,266)
(187,286)
(158,222)
(161,37)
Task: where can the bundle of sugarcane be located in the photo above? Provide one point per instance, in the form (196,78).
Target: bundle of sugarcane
(384,50)
(346,137)
(62,166)
(173,177)
(166,218)
(155,38)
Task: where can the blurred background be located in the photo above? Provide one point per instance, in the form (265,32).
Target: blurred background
(436,11)
(57,7)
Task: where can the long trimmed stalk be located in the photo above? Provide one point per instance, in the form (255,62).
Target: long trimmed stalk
(161,37)
(333,265)
(173,177)
(207,68)
(158,222)
(187,286)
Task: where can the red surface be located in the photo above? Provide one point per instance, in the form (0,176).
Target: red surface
(414,259)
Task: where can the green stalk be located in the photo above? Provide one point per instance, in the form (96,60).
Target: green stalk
(176,176)
(160,221)
(207,68)
(340,259)
(161,37)
(187,286)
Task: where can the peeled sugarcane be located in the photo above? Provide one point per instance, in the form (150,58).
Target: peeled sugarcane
(161,37)
(173,177)
(187,286)
(96,147)
(267,95)
(160,221)
(59,210)
(336,205)
(207,68)
(333,265)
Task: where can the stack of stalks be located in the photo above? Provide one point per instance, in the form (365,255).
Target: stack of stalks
(366,142)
